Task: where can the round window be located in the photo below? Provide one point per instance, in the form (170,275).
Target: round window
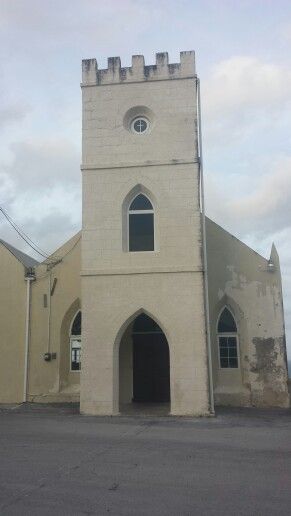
(139,125)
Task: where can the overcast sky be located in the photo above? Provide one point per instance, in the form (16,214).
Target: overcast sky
(243,52)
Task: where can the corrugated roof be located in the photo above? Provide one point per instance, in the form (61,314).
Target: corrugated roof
(26,260)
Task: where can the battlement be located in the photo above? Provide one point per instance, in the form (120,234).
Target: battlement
(138,72)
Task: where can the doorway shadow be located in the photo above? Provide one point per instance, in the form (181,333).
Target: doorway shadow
(144,369)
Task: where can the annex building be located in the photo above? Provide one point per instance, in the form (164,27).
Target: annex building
(151,303)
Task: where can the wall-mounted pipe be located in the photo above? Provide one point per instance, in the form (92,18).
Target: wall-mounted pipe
(49,313)
(28,278)
(205,269)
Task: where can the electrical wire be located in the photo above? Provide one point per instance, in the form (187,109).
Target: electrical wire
(21,233)
(25,237)
(73,247)
(48,259)
(60,260)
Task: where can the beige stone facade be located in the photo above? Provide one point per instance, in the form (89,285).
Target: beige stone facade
(55,300)
(12,324)
(167,282)
(114,287)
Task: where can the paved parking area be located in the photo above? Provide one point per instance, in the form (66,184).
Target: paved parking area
(55,462)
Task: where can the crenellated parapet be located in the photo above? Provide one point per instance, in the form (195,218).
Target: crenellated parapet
(138,71)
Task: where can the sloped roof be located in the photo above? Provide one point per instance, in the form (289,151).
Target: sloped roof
(26,260)
(220,228)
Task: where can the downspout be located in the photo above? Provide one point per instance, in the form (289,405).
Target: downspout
(205,269)
(29,277)
(49,313)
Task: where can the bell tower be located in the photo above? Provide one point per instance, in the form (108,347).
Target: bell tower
(141,235)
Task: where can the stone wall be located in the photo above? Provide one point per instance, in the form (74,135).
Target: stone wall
(250,286)
(167,282)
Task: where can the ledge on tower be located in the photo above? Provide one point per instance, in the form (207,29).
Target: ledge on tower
(138,72)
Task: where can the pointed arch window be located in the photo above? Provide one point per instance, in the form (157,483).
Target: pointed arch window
(75,342)
(141,224)
(227,340)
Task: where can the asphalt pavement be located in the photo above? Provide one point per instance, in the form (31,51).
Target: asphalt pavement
(55,462)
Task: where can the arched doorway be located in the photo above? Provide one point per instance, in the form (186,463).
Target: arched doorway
(144,365)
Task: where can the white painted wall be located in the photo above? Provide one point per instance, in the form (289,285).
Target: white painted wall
(241,279)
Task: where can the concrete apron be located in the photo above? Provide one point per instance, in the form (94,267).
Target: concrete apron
(145,409)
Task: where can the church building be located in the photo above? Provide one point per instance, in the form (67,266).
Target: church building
(152,305)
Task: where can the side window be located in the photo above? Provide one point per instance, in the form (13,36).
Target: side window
(227,340)
(141,224)
(75,343)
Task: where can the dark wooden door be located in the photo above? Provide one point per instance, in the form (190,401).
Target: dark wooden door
(151,368)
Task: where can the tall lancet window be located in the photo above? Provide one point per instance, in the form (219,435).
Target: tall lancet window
(227,340)
(141,224)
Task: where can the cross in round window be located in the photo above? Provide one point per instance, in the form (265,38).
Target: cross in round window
(139,125)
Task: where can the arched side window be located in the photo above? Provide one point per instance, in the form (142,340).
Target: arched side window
(141,231)
(227,340)
(75,342)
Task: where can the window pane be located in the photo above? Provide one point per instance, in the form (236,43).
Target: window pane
(77,325)
(223,352)
(76,366)
(223,362)
(75,355)
(222,342)
(226,322)
(232,342)
(140,202)
(232,352)
(141,232)
(140,125)
(233,362)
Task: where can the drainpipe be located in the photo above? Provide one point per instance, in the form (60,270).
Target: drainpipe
(49,313)
(29,277)
(205,270)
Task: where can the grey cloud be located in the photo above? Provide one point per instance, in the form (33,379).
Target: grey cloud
(264,209)
(267,208)
(52,231)
(48,233)
(41,164)
(243,97)
(12,113)
(244,82)
(41,191)
(54,25)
